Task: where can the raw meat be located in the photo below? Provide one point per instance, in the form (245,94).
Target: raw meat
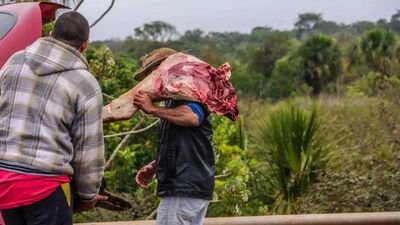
(181,76)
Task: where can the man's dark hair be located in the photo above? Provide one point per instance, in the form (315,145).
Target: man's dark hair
(71,28)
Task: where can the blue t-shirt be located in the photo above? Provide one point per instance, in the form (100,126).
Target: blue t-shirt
(198,110)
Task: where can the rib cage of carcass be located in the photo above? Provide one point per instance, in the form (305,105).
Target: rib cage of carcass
(181,76)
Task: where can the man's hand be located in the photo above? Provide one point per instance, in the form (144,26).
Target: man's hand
(146,175)
(88,205)
(144,102)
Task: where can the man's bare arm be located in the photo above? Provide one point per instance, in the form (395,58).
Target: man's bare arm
(180,115)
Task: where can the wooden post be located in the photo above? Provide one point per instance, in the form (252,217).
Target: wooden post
(380,218)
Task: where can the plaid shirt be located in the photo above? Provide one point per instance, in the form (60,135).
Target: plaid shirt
(50,116)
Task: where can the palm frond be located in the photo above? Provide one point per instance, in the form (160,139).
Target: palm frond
(291,137)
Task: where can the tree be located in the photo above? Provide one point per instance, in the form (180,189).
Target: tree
(284,79)
(382,23)
(379,48)
(258,34)
(395,21)
(362,27)
(193,35)
(276,45)
(306,22)
(264,28)
(326,27)
(356,54)
(156,31)
(320,61)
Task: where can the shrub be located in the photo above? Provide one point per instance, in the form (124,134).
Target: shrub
(294,151)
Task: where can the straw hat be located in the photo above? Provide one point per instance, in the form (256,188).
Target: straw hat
(152,60)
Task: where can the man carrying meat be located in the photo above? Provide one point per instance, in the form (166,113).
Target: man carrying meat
(185,159)
(50,128)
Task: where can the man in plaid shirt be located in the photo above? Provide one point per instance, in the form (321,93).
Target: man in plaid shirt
(51,129)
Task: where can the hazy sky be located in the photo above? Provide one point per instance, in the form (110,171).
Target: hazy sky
(226,15)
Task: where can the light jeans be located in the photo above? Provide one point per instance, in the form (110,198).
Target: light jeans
(181,211)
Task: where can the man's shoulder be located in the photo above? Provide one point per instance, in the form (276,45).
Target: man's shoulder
(81,77)
(84,81)
(15,59)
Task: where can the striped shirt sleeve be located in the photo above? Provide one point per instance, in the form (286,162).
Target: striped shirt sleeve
(87,138)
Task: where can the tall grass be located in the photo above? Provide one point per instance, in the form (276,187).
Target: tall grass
(295,153)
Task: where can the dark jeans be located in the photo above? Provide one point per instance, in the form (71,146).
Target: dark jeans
(53,210)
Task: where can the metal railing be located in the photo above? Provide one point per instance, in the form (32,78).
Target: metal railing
(381,218)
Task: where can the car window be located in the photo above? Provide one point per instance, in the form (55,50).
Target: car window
(7,22)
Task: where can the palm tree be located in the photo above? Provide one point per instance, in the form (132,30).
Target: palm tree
(356,54)
(379,48)
(295,153)
(320,61)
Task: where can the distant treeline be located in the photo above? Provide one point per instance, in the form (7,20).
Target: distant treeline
(314,57)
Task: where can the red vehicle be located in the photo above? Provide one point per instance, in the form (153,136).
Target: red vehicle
(21,24)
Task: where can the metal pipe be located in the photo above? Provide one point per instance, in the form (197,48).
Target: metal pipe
(380,218)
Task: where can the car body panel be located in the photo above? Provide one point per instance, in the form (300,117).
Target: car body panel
(28,27)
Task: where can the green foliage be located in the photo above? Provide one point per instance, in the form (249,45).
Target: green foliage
(46,29)
(102,62)
(247,83)
(395,21)
(276,45)
(306,22)
(282,169)
(320,61)
(361,27)
(349,191)
(233,165)
(193,36)
(115,75)
(295,153)
(356,54)
(326,27)
(374,84)
(379,48)
(363,138)
(156,31)
(363,173)
(258,34)
(284,79)
(232,192)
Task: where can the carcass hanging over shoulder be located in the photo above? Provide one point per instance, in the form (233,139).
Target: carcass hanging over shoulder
(181,76)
